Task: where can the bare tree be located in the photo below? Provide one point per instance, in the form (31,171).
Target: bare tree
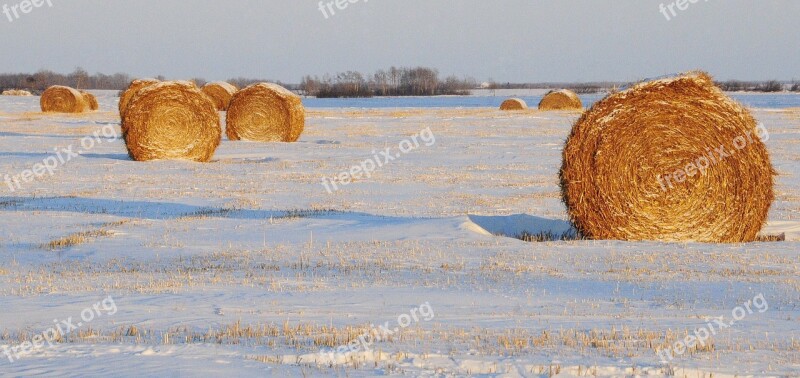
(79,78)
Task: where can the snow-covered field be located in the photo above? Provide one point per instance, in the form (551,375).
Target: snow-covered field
(248,266)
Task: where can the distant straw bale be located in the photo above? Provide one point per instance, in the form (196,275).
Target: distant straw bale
(266,113)
(514,104)
(91,100)
(561,100)
(171,121)
(17,92)
(220,92)
(60,99)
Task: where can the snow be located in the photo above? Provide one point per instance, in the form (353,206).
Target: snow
(248,266)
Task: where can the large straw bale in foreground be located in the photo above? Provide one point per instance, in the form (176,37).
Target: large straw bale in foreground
(171,120)
(267,113)
(669,160)
(134,87)
(220,92)
(91,100)
(60,99)
(561,100)
(514,104)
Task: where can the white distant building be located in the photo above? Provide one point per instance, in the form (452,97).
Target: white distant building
(485,85)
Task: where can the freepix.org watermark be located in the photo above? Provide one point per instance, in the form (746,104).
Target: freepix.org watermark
(712,157)
(61,156)
(328,8)
(702,334)
(60,330)
(382,332)
(669,11)
(378,160)
(14,12)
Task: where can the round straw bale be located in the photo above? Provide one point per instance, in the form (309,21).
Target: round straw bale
(267,113)
(668,160)
(91,100)
(220,92)
(561,100)
(60,99)
(134,87)
(171,120)
(17,92)
(514,104)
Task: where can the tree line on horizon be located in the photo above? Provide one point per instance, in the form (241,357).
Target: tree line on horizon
(418,81)
(80,79)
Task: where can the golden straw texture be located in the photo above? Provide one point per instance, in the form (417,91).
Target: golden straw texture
(266,113)
(91,100)
(60,99)
(514,104)
(134,87)
(561,100)
(668,160)
(220,92)
(171,120)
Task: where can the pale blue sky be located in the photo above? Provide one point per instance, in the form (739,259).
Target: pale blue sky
(506,40)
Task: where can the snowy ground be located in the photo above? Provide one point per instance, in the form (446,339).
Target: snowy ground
(247,265)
